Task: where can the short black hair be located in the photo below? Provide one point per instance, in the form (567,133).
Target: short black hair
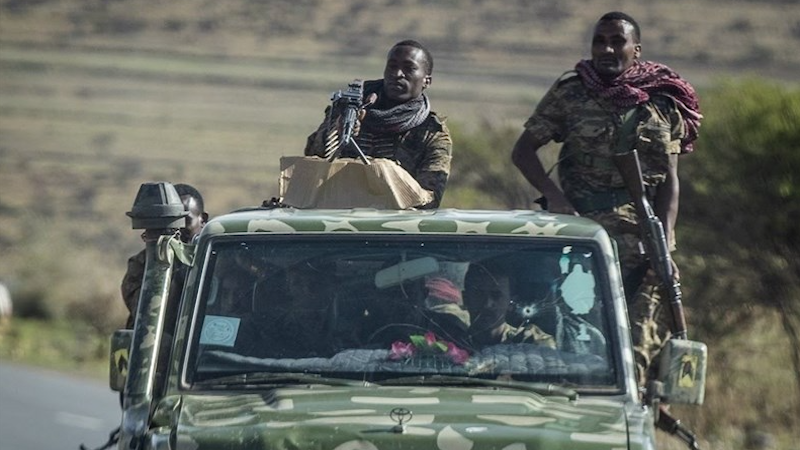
(425,52)
(616,15)
(186,189)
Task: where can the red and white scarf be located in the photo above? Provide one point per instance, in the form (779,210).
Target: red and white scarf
(642,80)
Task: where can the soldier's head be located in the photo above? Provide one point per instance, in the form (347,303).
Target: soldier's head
(408,70)
(192,202)
(487,297)
(616,44)
(308,286)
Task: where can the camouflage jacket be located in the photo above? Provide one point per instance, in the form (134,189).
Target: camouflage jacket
(424,151)
(588,128)
(131,285)
(526,334)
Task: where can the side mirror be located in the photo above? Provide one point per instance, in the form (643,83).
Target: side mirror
(118,361)
(682,372)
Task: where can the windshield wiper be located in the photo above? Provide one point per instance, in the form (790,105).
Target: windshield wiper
(279,378)
(546,389)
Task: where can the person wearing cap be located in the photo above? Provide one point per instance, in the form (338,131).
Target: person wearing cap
(196,219)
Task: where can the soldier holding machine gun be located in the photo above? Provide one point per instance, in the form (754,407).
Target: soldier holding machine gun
(390,118)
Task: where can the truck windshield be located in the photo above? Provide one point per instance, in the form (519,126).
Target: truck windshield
(379,308)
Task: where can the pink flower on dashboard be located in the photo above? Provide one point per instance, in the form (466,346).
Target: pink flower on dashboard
(430,339)
(401,350)
(457,355)
(427,345)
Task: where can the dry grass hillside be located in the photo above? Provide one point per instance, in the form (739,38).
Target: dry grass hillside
(110,93)
(97,96)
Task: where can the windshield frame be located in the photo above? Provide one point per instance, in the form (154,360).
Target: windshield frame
(195,307)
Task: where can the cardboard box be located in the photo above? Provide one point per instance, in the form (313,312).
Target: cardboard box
(314,182)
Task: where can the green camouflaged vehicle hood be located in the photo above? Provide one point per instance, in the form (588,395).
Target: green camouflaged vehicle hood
(359,418)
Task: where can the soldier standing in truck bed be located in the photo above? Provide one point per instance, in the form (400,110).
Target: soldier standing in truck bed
(585,110)
(398,122)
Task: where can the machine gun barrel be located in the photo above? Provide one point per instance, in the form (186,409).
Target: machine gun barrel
(348,103)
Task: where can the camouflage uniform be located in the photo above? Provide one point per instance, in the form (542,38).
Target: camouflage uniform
(588,127)
(424,151)
(530,334)
(131,286)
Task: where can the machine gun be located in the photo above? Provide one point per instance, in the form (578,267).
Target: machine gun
(346,105)
(654,238)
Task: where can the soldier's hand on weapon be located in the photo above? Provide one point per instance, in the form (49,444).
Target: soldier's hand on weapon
(676,274)
(369,101)
(362,112)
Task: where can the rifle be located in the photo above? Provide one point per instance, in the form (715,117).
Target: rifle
(654,238)
(348,103)
(668,423)
(658,252)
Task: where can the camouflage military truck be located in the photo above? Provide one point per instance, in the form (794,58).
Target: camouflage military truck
(376,329)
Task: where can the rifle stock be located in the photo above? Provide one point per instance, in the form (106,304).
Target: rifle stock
(654,238)
(673,426)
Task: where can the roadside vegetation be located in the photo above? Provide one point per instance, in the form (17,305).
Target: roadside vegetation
(98,97)
(68,346)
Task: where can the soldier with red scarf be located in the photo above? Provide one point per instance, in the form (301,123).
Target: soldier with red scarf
(586,110)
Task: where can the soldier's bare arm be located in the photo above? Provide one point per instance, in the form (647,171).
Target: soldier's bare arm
(666,204)
(525,156)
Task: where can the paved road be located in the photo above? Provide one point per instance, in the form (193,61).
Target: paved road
(44,410)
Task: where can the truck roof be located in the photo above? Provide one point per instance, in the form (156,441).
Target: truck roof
(366,220)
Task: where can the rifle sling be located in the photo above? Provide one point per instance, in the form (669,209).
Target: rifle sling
(626,133)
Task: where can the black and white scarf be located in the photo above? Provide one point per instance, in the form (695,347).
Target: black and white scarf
(396,119)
